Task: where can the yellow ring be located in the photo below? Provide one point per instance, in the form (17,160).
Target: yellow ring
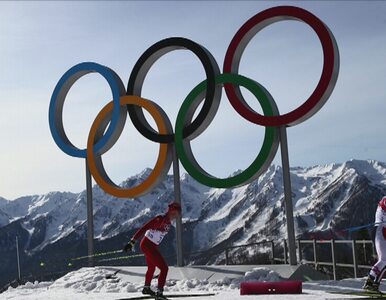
(164,157)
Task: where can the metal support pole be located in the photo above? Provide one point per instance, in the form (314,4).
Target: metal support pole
(373,249)
(177,196)
(333,258)
(288,196)
(90,217)
(226,256)
(18,260)
(285,252)
(300,251)
(355,258)
(273,251)
(315,254)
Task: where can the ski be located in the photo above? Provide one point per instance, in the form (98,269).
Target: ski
(369,295)
(114,275)
(168,296)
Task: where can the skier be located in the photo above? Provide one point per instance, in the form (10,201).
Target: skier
(376,273)
(154,231)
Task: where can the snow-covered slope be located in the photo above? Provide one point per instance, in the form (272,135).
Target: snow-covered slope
(322,199)
(326,200)
(3,201)
(4,218)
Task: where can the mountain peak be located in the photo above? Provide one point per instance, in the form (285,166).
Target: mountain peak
(65,212)
(3,201)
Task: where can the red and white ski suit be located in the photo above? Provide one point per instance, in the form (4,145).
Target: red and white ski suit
(154,231)
(379,268)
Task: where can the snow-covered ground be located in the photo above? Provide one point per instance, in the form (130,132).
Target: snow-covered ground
(91,283)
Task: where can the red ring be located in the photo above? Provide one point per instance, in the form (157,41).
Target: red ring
(327,80)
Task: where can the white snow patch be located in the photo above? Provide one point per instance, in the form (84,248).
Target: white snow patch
(90,283)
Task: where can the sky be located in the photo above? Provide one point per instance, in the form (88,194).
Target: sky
(41,40)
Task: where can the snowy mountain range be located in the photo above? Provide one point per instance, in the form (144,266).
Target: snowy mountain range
(326,198)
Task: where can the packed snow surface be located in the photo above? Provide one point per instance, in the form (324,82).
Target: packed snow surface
(91,283)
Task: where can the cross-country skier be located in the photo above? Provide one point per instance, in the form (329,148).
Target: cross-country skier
(378,270)
(154,231)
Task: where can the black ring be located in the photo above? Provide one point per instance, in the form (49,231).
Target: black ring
(212,97)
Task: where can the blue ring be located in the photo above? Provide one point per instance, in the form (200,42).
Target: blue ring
(58,98)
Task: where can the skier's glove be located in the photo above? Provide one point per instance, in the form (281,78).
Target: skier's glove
(129,246)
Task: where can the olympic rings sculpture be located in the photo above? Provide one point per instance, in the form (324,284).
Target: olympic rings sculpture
(109,123)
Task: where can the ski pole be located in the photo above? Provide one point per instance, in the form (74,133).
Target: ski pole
(97,254)
(356,228)
(120,257)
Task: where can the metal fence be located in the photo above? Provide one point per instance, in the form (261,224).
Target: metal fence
(271,245)
(354,244)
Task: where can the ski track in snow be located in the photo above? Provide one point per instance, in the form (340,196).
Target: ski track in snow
(90,283)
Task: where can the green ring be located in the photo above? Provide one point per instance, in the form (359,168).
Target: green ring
(263,159)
